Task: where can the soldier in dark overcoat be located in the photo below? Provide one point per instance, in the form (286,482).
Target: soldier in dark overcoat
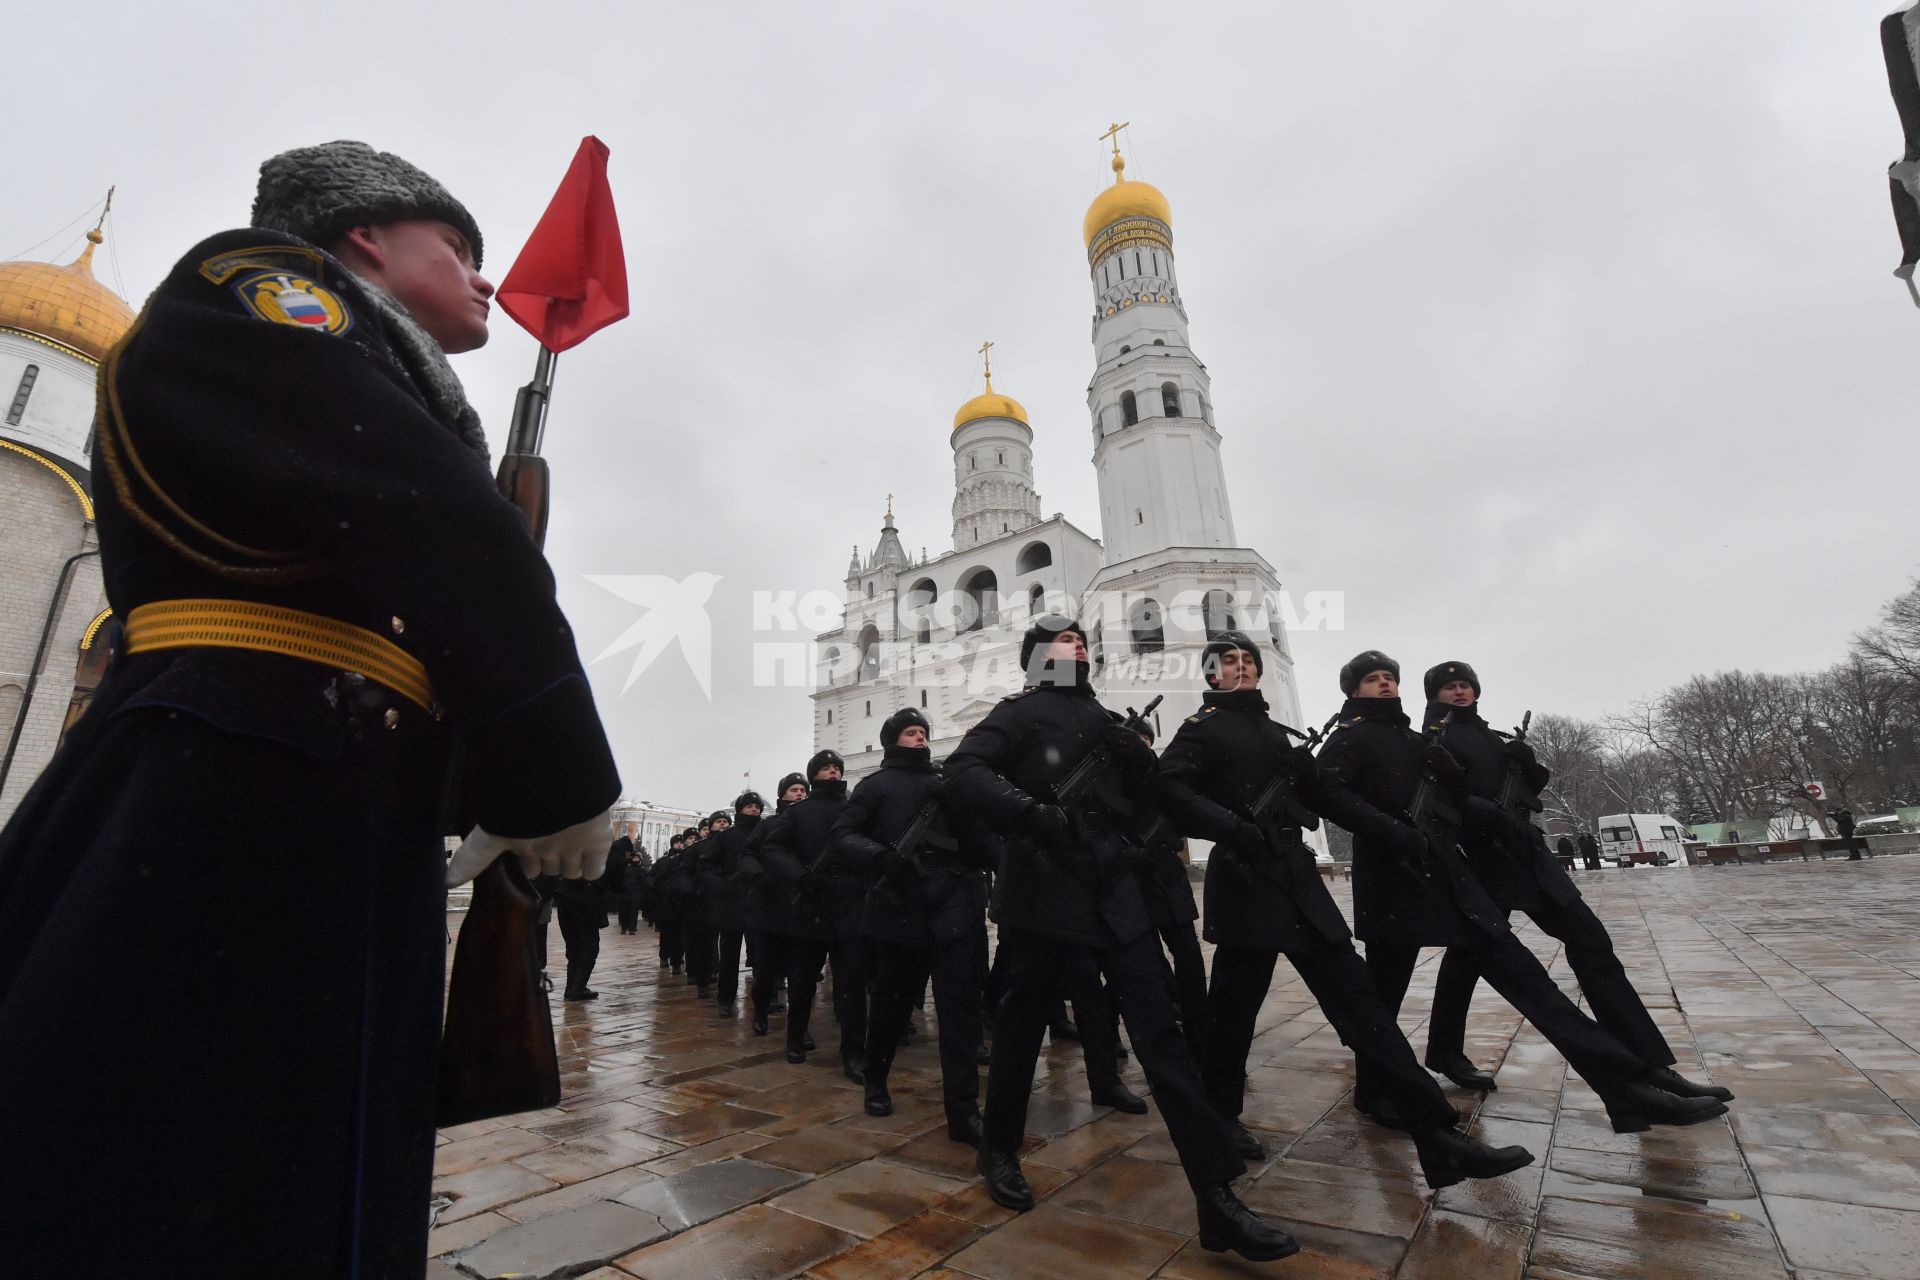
(800,895)
(1066,900)
(1509,856)
(726,895)
(222,904)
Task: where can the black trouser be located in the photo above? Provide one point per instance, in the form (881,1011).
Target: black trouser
(852,977)
(581,932)
(1189,984)
(1522,981)
(1039,973)
(629,916)
(1345,989)
(727,969)
(673,944)
(1611,998)
(703,952)
(899,973)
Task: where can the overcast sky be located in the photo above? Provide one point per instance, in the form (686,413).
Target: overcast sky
(1560,338)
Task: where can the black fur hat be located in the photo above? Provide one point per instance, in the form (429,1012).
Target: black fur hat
(1362,665)
(1446,673)
(319,193)
(720,815)
(746,798)
(1043,631)
(899,722)
(1227,640)
(821,759)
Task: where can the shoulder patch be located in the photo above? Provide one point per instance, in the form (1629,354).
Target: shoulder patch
(1203,713)
(283,297)
(223,267)
(1020,694)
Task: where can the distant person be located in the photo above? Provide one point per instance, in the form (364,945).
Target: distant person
(1589,851)
(1564,851)
(1843,819)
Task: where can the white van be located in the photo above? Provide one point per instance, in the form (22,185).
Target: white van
(1630,838)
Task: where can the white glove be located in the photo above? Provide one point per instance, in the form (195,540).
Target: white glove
(578,852)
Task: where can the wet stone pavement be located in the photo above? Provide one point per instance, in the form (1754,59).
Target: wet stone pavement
(685,1146)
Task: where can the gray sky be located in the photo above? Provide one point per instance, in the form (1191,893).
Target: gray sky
(1560,338)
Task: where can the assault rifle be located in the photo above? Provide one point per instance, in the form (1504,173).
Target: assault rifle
(1279,792)
(1072,790)
(1512,791)
(1424,795)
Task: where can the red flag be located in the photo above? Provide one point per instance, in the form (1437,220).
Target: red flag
(571,279)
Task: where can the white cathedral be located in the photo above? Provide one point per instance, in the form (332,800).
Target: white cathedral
(943,634)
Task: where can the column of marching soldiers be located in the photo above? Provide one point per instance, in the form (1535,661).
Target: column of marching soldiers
(1055,815)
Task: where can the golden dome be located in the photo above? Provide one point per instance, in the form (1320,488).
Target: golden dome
(1124,200)
(64,304)
(990,404)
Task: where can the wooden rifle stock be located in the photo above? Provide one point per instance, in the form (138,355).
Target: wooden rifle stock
(497,1053)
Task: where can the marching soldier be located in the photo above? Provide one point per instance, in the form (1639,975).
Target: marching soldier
(1509,857)
(768,911)
(324,597)
(664,900)
(703,935)
(1412,888)
(1265,898)
(923,905)
(726,895)
(1168,890)
(1066,903)
(801,905)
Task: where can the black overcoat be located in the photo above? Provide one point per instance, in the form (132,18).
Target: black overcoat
(1509,856)
(942,902)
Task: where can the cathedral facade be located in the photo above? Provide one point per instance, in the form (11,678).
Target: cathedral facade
(57,324)
(1167,572)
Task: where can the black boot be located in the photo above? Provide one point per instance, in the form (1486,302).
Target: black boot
(1245,1145)
(1640,1105)
(1005,1183)
(1459,1068)
(1448,1156)
(854,1067)
(759,1018)
(1120,1098)
(1061,1029)
(879,1102)
(966,1129)
(1226,1224)
(1671,1081)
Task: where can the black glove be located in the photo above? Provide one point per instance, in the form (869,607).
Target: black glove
(1410,846)
(1441,764)
(896,867)
(1521,754)
(1047,824)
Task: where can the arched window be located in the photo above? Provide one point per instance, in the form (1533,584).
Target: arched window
(869,591)
(1169,400)
(1000,457)
(1129,408)
(1217,609)
(869,653)
(920,610)
(1033,557)
(1139,516)
(1125,349)
(833,671)
(923,699)
(1159,342)
(1036,600)
(980,607)
(1144,626)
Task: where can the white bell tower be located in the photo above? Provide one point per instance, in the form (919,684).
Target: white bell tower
(1174,571)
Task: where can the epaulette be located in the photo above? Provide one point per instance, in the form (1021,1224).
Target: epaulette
(1203,713)
(1020,694)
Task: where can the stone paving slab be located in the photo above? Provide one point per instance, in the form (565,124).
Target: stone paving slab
(686,1146)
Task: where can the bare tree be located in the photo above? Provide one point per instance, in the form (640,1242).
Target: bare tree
(1893,644)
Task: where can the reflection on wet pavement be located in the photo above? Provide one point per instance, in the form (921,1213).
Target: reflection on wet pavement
(684,1145)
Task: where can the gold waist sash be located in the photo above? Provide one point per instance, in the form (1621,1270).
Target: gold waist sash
(265,628)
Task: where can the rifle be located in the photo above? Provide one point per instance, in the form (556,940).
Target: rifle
(1279,792)
(1423,796)
(497,1053)
(1511,786)
(1093,767)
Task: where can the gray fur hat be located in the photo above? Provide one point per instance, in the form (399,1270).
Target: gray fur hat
(319,193)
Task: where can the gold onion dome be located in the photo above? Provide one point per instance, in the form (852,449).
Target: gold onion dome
(990,404)
(1125,199)
(64,304)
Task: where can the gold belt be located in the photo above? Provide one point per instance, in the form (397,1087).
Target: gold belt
(265,628)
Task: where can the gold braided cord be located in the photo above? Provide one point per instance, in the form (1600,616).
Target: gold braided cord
(294,633)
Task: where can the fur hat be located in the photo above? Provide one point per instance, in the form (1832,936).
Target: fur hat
(749,797)
(821,759)
(899,722)
(1228,640)
(1044,630)
(718,816)
(319,193)
(1361,666)
(1446,673)
(780,791)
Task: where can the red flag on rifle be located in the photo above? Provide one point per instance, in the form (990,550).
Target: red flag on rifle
(571,279)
